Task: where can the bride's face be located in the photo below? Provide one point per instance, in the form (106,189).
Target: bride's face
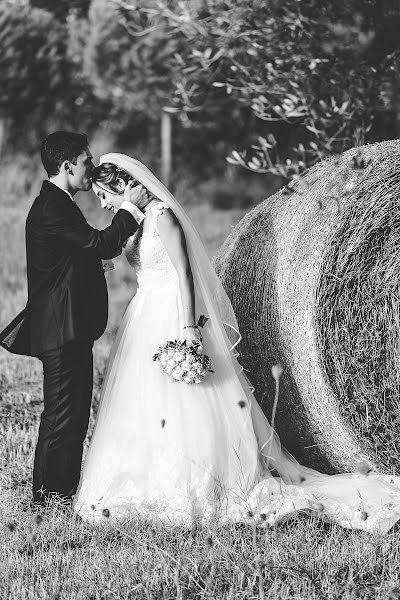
(108,200)
(111,195)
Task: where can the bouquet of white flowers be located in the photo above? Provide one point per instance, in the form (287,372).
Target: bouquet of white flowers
(183,362)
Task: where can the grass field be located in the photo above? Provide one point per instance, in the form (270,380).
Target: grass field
(54,556)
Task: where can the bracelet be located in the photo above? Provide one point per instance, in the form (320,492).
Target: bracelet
(191,327)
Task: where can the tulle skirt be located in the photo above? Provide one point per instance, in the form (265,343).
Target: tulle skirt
(195,454)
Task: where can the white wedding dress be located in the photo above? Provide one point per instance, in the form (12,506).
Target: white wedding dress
(185,454)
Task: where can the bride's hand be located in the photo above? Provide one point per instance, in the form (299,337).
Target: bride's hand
(192,335)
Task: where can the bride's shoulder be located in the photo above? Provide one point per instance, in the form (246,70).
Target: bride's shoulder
(158,208)
(164,217)
(160,217)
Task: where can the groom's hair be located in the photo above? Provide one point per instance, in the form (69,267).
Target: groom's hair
(60,146)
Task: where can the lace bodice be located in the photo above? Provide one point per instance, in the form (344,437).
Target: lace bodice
(146,253)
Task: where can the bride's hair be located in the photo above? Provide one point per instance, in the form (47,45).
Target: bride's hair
(108,174)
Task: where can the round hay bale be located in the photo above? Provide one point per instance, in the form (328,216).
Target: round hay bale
(314,278)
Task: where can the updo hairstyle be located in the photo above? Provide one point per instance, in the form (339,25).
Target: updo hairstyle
(109,174)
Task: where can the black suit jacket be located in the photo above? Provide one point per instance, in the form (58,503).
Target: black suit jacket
(67,291)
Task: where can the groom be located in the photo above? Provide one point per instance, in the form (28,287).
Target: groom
(67,305)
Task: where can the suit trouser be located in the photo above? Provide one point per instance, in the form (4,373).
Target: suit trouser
(67,394)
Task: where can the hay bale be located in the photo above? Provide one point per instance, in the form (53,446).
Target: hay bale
(314,278)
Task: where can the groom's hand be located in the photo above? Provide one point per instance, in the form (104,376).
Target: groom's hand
(136,195)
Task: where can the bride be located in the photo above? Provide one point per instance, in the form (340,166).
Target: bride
(190,454)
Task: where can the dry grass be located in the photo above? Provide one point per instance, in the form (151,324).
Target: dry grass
(313,274)
(59,557)
(358,319)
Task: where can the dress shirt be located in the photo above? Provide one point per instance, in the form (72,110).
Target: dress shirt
(136,213)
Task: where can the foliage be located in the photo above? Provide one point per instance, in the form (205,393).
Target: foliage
(132,69)
(132,75)
(302,68)
(62,8)
(39,87)
(30,44)
(285,83)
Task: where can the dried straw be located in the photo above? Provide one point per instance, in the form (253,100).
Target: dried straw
(313,276)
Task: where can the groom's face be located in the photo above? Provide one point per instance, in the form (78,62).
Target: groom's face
(81,172)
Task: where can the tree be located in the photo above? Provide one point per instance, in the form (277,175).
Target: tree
(38,87)
(62,8)
(301,67)
(130,73)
